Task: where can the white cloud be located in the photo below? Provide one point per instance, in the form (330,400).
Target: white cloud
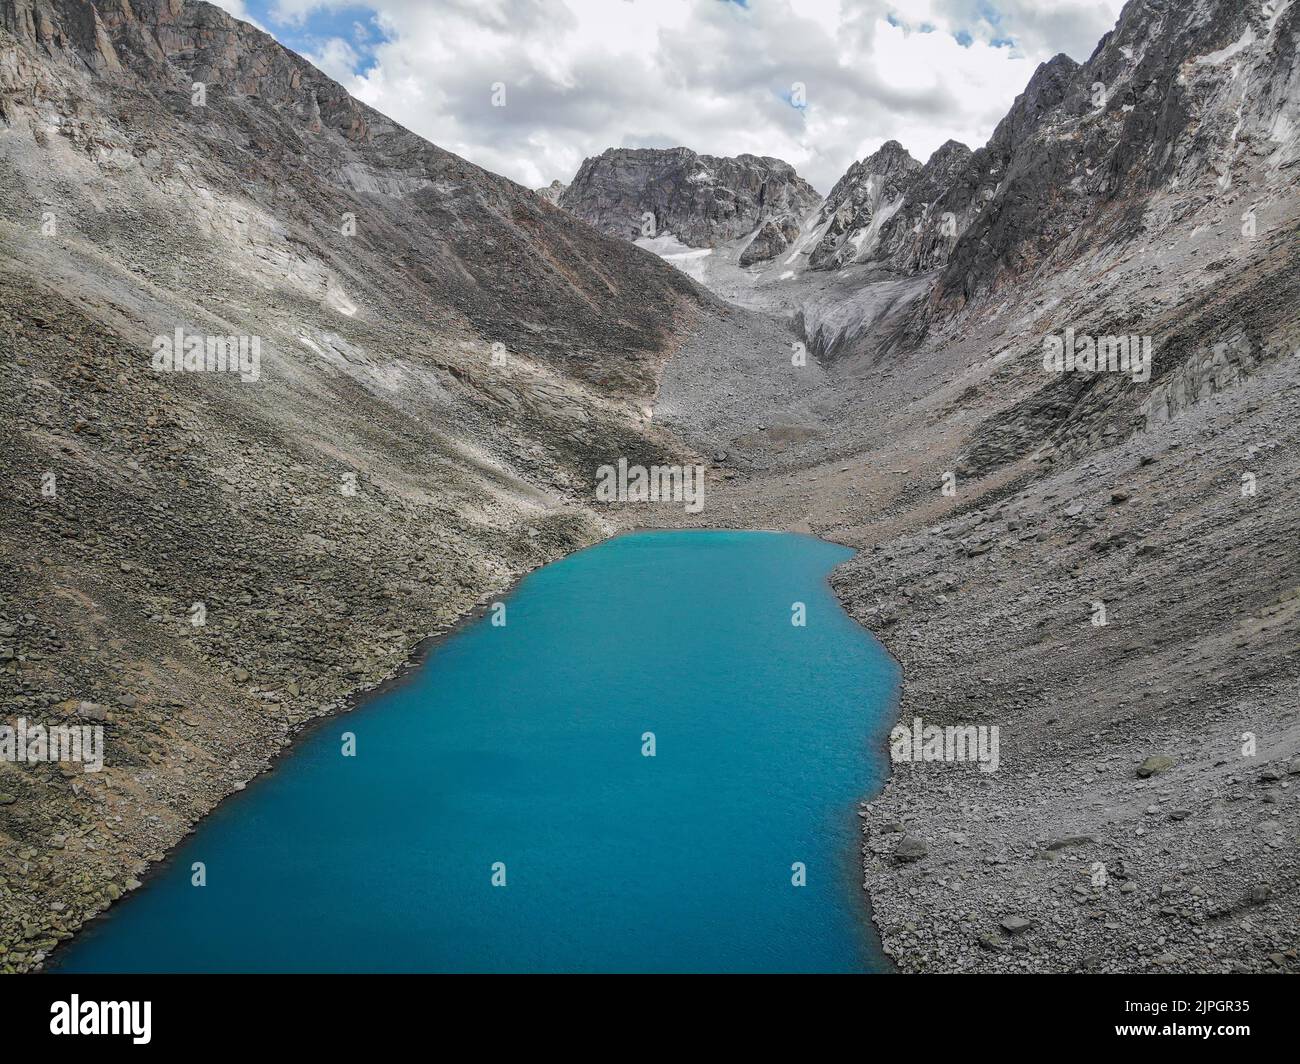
(585,75)
(337,58)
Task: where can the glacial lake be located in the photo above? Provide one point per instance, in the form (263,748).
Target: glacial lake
(518,751)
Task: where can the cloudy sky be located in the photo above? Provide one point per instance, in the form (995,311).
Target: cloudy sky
(818,83)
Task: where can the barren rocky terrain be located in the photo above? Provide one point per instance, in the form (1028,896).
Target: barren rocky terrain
(1144,816)
(986,598)
(443,357)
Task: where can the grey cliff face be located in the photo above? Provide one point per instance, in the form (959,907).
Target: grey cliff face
(1178,94)
(862,202)
(702,200)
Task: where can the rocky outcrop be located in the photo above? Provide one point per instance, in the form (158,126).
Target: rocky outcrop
(860,204)
(891,210)
(1177,96)
(702,200)
(773,237)
(920,236)
(552,192)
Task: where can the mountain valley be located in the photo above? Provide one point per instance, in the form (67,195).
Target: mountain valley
(447,358)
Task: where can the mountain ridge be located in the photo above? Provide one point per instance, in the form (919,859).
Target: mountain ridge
(701,200)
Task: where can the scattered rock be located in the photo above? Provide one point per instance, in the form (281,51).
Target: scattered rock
(1154,765)
(911,848)
(92,711)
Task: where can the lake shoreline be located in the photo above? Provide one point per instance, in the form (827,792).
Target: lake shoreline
(613,526)
(420,657)
(402,674)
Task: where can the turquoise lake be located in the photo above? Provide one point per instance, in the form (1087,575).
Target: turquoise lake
(522,745)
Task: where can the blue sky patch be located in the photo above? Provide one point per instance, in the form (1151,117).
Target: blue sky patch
(356,24)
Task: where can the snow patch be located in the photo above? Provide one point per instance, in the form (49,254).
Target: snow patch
(1278,12)
(1224,54)
(864,240)
(687,259)
(337,300)
(810,232)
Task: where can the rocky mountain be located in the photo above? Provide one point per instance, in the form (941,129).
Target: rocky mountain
(552,192)
(860,204)
(203,561)
(1178,97)
(701,200)
(1083,139)
(1183,111)
(1174,93)
(890,210)
(882,210)
(459,236)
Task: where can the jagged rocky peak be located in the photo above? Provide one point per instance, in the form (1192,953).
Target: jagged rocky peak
(552,192)
(891,159)
(922,232)
(886,210)
(1049,85)
(891,210)
(883,173)
(961,184)
(946,162)
(1178,96)
(860,203)
(702,200)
